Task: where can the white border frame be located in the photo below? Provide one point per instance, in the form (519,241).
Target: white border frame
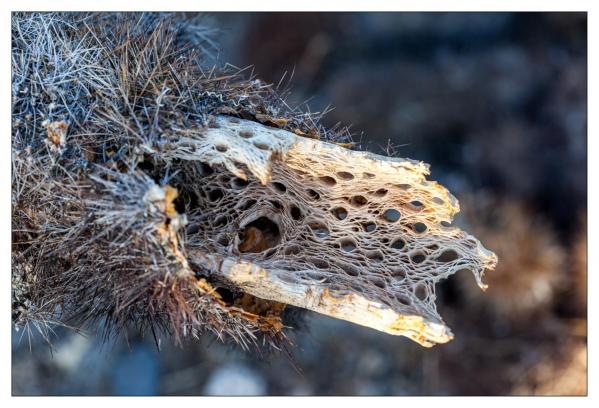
(305,5)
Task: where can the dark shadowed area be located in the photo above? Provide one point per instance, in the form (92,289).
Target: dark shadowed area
(496,103)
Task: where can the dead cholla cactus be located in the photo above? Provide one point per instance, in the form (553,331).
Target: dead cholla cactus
(352,235)
(148,190)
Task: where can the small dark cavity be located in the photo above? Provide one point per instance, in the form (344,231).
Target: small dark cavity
(404,300)
(261,146)
(438,200)
(239,183)
(192,229)
(327,180)
(420,227)
(246,134)
(344,175)
(259,235)
(147,166)
(320,263)
(238,164)
(221,221)
(420,292)
(416,204)
(313,194)
(296,213)
(471,243)
(340,213)
(280,187)
(369,226)
(418,258)
(185,196)
(378,282)
(276,204)
(433,247)
(198,271)
(224,178)
(215,194)
(246,205)
(391,215)
(357,286)
(403,186)
(381,192)
(351,270)
(348,244)
(292,250)
(222,148)
(367,175)
(223,240)
(375,256)
(358,201)
(445,224)
(319,229)
(398,273)
(205,170)
(270,253)
(448,256)
(227,295)
(398,244)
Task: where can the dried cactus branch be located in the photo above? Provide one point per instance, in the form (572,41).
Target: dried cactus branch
(149,189)
(359,237)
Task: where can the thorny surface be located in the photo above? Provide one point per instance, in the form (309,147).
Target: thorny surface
(96,236)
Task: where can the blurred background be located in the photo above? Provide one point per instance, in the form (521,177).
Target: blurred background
(497,104)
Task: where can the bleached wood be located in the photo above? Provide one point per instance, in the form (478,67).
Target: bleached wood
(329,260)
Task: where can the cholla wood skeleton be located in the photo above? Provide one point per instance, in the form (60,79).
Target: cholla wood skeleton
(354,235)
(167,183)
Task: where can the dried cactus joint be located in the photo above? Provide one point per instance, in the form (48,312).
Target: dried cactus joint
(349,234)
(317,196)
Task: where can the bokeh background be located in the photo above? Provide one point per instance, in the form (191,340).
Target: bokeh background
(497,104)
